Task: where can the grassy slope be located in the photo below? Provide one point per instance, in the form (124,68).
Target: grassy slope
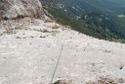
(64,19)
(83,27)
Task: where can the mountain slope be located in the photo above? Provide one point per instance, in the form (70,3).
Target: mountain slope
(29,56)
(81,6)
(29,48)
(105,19)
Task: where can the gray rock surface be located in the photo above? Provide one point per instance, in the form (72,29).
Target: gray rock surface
(15,9)
(29,56)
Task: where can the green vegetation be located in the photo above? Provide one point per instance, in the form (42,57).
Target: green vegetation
(48,21)
(103,19)
(56,83)
(107,26)
(55,27)
(121,16)
(64,19)
(93,24)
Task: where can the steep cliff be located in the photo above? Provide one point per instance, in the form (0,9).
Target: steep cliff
(15,9)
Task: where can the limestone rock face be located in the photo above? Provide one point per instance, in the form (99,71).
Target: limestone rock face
(14,9)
